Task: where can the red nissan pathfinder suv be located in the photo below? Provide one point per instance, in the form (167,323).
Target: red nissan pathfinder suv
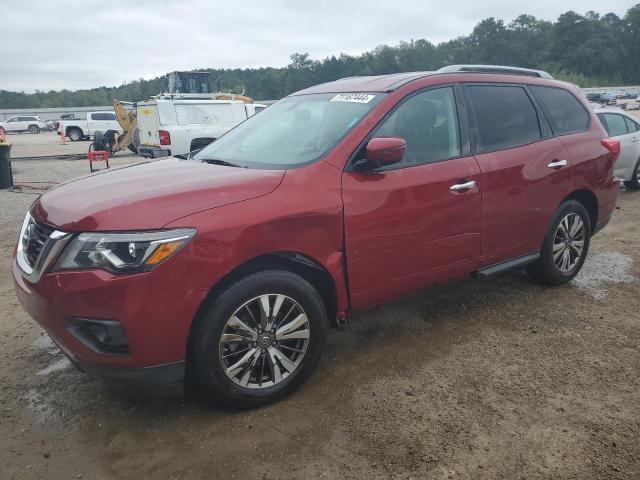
(232,262)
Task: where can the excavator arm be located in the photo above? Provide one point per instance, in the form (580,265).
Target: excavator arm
(128,121)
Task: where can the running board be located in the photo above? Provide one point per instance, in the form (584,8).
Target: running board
(507,265)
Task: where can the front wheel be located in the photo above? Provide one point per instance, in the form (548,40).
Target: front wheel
(565,246)
(259,340)
(34,129)
(634,183)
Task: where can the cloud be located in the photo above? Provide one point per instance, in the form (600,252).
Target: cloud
(64,44)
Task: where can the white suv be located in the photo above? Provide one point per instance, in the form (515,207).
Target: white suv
(27,123)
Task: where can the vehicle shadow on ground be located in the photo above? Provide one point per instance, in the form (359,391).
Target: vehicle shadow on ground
(426,322)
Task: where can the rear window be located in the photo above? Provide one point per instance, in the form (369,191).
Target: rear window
(203,114)
(505,117)
(564,112)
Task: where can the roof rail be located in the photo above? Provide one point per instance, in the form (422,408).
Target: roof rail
(494,69)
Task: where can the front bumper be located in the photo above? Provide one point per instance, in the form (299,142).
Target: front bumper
(163,380)
(155,312)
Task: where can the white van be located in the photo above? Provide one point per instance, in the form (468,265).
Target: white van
(179,126)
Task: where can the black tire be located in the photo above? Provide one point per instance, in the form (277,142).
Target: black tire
(634,183)
(34,129)
(135,141)
(545,269)
(75,134)
(205,342)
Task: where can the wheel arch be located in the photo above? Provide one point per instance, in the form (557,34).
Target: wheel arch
(590,202)
(307,267)
(73,127)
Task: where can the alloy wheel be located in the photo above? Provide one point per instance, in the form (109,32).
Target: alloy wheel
(264,341)
(568,243)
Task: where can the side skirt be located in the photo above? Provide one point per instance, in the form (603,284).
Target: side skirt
(507,265)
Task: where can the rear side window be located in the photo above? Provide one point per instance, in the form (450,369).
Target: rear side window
(204,113)
(505,117)
(615,124)
(564,112)
(631,125)
(103,116)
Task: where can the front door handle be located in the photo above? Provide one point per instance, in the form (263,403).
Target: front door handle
(462,186)
(556,164)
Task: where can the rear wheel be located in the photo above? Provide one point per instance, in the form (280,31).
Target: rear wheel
(259,340)
(634,183)
(565,246)
(34,129)
(74,134)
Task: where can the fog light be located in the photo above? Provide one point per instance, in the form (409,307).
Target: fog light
(102,336)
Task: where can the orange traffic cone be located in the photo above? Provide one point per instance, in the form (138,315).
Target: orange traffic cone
(63,139)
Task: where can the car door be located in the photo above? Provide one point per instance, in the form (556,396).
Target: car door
(110,122)
(625,131)
(95,122)
(415,223)
(525,171)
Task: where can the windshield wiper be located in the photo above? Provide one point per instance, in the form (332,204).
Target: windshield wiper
(215,161)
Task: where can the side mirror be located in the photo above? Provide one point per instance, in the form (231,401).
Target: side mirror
(386,150)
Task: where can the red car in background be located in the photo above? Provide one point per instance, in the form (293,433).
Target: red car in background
(232,263)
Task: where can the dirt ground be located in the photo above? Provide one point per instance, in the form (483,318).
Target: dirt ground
(497,378)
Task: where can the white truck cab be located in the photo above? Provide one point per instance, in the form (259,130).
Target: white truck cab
(170,126)
(77,130)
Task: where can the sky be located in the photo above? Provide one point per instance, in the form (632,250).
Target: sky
(70,44)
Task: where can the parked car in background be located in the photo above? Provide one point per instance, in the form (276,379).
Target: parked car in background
(339,197)
(77,130)
(626,129)
(601,98)
(24,123)
(179,126)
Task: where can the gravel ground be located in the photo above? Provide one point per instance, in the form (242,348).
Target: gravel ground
(47,144)
(499,378)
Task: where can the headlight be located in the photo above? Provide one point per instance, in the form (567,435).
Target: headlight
(133,252)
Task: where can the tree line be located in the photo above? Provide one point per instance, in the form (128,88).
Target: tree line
(589,50)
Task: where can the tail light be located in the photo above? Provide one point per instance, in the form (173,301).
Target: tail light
(165,137)
(613,146)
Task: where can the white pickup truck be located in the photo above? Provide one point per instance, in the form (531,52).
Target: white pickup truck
(179,126)
(77,130)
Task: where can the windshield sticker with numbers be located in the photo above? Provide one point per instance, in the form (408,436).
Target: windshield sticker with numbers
(353,97)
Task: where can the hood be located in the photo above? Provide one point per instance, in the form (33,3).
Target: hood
(149,195)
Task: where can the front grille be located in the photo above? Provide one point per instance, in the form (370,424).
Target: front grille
(34,239)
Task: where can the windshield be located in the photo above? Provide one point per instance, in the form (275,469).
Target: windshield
(292,132)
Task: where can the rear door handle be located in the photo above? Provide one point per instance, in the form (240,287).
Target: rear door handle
(558,164)
(462,186)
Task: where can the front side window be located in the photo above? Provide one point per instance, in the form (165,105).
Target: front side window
(292,132)
(428,122)
(564,112)
(615,124)
(505,117)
